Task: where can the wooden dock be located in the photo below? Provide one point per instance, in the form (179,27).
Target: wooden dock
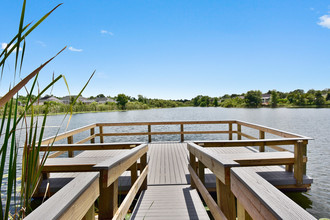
(173,179)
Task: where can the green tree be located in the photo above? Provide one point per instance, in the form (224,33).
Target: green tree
(319,99)
(122,99)
(310,98)
(253,98)
(274,99)
(100,96)
(196,100)
(206,100)
(215,102)
(328,97)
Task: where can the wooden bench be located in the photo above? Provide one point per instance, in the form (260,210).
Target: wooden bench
(220,164)
(74,201)
(110,170)
(259,199)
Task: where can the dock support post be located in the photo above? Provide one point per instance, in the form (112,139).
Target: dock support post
(193,165)
(239,131)
(149,135)
(262,136)
(226,199)
(90,215)
(298,162)
(108,200)
(182,135)
(143,160)
(70,141)
(230,131)
(92,132)
(201,171)
(304,151)
(242,214)
(134,173)
(101,134)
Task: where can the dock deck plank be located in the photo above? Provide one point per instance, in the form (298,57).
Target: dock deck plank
(157,203)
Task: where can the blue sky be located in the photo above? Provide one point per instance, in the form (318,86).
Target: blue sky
(175,49)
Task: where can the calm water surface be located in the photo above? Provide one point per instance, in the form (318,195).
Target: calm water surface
(313,123)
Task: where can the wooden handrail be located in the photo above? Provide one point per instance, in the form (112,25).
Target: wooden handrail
(180,132)
(61,136)
(260,199)
(98,146)
(274,131)
(115,166)
(257,142)
(73,201)
(211,204)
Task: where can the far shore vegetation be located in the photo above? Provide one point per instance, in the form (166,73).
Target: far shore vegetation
(251,99)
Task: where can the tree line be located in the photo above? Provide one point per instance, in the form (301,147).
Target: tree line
(250,99)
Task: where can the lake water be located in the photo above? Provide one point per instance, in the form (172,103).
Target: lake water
(313,123)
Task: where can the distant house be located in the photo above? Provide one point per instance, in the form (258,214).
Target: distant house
(265,99)
(104,100)
(49,99)
(68,99)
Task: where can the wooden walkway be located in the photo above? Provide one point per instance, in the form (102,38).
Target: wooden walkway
(169,195)
(169,202)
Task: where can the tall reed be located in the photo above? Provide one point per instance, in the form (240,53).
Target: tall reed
(11,205)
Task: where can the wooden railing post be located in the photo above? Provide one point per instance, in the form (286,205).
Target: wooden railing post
(101,134)
(304,155)
(262,136)
(70,141)
(239,131)
(193,165)
(182,135)
(90,215)
(149,135)
(143,162)
(92,132)
(201,171)
(230,131)
(134,173)
(242,213)
(108,200)
(298,162)
(226,199)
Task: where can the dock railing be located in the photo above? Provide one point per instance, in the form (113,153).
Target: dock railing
(109,172)
(243,138)
(258,199)
(74,201)
(221,166)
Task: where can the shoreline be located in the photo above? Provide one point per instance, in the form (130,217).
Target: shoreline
(84,112)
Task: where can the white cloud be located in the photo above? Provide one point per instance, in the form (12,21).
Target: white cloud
(41,43)
(4,45)
(75,50)
(324,21)
(106,32)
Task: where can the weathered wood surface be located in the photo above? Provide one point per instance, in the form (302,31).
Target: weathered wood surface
(168,163)
(98,146)
(220,163)
(169,202)
(73,201)
(261,199)
(82,162)
(113,168)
